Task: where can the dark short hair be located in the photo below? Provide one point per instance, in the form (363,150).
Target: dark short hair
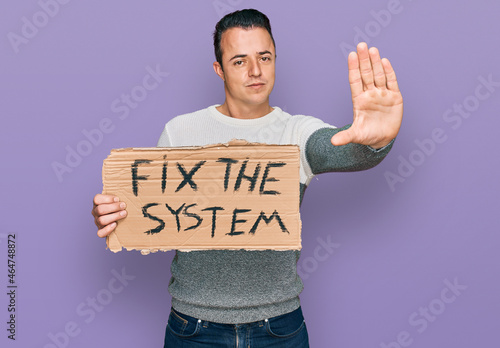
(246,19)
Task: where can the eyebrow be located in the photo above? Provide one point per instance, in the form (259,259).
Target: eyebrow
(245,55)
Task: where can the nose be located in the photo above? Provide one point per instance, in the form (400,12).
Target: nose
(254,68)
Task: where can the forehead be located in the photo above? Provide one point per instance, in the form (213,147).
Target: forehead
(246,41)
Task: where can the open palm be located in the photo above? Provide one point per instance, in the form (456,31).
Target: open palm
(376,99)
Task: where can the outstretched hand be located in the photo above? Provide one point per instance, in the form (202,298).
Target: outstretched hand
(376,99)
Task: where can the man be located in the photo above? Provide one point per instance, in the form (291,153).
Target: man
(227,298)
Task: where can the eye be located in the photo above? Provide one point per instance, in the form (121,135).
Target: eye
(266,59)
(238,62)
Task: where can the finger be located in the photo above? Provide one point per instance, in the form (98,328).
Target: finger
(392,82)
(365,66)
(104,220)
(103,209)
(354,75)
(378,70)
(105,231)
(100,199)
(342,138)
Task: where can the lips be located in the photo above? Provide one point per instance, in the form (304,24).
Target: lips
(256,85)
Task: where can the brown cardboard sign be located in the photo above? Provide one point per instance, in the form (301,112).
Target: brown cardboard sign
(238,195)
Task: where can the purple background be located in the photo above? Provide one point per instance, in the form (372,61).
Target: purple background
(397,246)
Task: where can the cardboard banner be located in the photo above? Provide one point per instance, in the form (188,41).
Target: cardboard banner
(224,196)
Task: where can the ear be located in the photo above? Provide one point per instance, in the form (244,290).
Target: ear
(218,70)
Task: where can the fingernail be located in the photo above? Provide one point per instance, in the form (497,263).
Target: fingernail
(116,199)
(123,205)
(123,213)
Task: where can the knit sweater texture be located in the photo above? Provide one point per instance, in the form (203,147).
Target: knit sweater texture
(241,286)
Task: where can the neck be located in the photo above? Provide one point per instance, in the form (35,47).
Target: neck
(244,111)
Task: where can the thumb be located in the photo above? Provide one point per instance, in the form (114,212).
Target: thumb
(342,138)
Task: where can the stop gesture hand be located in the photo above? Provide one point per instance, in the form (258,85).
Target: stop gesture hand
(376,99)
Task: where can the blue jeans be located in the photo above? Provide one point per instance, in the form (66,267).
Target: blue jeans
(284,331)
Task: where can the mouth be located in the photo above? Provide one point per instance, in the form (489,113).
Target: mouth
(256,85)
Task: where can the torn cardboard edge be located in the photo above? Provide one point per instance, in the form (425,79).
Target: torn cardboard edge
(224,166)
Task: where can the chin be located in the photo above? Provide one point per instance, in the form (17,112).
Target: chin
(259,100)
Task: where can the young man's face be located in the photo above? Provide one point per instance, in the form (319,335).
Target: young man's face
(248,57)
